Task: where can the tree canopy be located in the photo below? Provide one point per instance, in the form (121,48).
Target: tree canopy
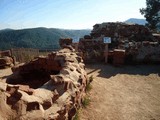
(152,13)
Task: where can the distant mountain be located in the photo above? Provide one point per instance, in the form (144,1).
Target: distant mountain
(41,38)
(7,29)
(136,21)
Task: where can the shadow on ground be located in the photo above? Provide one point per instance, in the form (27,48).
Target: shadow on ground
(108,70)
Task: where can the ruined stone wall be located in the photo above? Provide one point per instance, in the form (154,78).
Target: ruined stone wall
(120,31)
(6,58)
(58,98)
(145,52)
(136,40)
(93,51)
(65,41)
(129,37)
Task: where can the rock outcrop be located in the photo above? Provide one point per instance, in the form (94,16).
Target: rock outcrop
(50,88)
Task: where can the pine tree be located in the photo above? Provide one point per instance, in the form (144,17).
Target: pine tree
(152,13)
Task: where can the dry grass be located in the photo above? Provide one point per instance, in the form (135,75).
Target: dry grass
(24,54)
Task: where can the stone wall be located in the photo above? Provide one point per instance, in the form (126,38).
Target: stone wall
(120,31)
(51,87)
(134,39)
(6,58)
(139,44)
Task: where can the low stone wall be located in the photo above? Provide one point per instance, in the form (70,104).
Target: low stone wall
(63,80)
(148,52)
(6,59)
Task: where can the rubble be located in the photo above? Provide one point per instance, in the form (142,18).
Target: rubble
(50,88)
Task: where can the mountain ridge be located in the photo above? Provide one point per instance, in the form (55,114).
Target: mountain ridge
(40,38)
(136,21)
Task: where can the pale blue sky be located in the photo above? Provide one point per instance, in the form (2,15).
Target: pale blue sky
(67,14)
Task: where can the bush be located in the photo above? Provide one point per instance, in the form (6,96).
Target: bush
(90,78)
(86,102)
(88,87)
(76,117)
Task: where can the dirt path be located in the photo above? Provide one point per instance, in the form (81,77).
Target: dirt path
(126,93)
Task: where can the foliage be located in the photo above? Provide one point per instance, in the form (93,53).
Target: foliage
(40,38)
(86,102)
(88,87)
(76,117)
(91,78)
(152,13)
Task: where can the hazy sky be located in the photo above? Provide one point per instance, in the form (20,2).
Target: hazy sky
(67,14)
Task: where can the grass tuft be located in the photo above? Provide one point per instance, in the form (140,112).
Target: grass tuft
(90,78)
(86,102)
(88,87)
(76,117)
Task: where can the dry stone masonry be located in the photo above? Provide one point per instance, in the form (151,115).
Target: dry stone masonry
(137,42)
(6,59)
(50,88)
(130,44)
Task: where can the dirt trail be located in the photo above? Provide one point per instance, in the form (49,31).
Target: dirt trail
(124,93)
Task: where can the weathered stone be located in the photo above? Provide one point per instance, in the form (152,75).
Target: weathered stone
(3,86)
(44,87)
(26,89)
(6,61)
(132,38)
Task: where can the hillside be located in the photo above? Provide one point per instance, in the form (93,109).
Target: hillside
(136,21)
(41,38)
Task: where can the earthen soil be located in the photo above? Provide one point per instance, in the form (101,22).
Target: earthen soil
(123,93)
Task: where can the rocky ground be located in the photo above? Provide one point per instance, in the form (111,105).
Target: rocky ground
(123,93)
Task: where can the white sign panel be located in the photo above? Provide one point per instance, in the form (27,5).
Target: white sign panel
(75,40)
(107,40)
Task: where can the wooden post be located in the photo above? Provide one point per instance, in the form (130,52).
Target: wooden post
(106,41)
(106,53)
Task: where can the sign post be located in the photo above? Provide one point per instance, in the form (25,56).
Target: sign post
(75,41)
(106,40)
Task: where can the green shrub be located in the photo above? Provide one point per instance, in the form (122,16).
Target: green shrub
(76,117)
(86,102)
(88,87)
(90,78)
